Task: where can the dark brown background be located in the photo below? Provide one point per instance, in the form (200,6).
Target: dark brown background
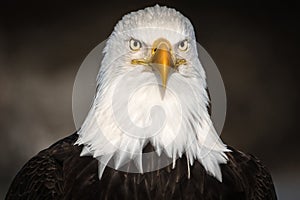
(254,44)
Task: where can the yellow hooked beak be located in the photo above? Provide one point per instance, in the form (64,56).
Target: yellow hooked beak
(162,60)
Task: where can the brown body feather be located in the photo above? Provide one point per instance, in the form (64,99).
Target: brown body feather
(60,173)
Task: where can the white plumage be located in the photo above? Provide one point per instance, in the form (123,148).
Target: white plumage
(129,109)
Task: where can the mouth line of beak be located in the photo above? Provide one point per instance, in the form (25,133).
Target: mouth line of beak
(164,67)
(148,62)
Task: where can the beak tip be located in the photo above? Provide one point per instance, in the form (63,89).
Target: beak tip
(163,91)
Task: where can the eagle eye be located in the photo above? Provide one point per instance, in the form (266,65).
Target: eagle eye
(135,45)
(183,45)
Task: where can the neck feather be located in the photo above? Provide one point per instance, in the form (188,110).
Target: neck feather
(119,125)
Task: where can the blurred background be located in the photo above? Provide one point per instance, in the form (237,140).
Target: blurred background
(255,46)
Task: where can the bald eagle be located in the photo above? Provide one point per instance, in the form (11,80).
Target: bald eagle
(148,134)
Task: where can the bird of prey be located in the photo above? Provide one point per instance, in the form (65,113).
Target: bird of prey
(150,109)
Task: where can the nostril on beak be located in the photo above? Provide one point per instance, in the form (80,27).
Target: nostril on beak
(154,50)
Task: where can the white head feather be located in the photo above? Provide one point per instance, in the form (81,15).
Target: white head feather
(122,120)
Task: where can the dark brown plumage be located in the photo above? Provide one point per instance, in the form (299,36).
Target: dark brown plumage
(60,173)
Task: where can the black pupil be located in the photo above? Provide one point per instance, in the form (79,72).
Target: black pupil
(182,44)
(135,43)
